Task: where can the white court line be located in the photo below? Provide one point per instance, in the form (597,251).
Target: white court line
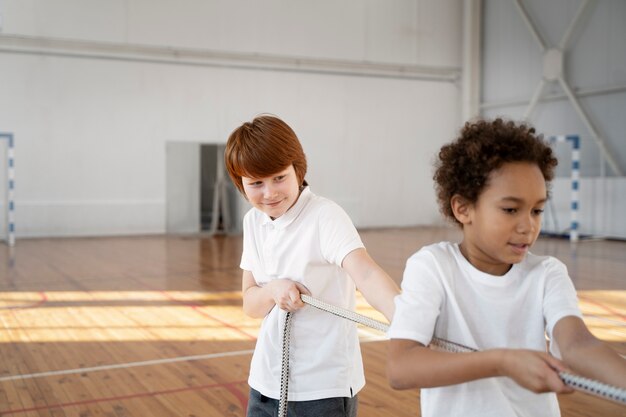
(126,365)
(152,362)
(367,337)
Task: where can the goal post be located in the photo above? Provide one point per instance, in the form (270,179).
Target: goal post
(574,141)
(9,200)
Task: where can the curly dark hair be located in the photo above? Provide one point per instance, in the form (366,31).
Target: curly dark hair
(463,166)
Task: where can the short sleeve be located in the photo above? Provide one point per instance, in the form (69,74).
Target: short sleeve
(419,304)
(247,262)
(338,236)
(560,298)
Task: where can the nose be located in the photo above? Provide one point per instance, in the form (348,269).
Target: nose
(528,224)
(269,192)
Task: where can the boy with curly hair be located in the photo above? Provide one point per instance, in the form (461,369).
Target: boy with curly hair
(489,292)
(296,242)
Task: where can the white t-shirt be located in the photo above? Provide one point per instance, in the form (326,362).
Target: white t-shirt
(307,244)
(445,296)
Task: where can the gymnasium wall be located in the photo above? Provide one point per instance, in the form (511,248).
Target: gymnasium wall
(594,66)
(91,127)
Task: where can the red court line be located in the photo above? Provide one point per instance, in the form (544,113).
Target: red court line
(243,400)
(228,385)
(196,308)
(230,326)
(607,308)
(42,300)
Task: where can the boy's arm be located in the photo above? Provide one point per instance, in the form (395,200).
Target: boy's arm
(411,365)
(586,355)
(376,286)
(258,301)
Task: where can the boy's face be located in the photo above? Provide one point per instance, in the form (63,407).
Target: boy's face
(506,219)
(273,195)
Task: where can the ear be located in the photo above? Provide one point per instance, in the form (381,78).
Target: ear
(461,208)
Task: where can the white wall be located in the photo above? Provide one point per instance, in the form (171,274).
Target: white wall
(595,60)
(594,67)
(402,31)
(91,132)
(601,202)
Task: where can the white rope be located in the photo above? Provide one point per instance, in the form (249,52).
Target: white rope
(346,314)
(593,387)
(284,372)
(589,386)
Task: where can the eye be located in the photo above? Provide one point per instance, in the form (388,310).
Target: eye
(538,212)
(279,178)
(509,210)
(254,183)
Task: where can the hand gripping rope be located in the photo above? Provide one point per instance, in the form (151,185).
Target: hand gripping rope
(579,383)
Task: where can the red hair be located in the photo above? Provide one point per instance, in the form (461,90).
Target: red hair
(263,147)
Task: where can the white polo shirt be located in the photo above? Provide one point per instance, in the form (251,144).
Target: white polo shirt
(307,244)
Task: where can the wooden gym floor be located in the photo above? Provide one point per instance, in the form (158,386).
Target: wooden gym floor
(152,326)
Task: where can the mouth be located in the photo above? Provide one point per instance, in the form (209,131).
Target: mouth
(520,247)
(274,203)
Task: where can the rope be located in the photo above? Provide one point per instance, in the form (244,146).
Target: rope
(284,372)
(589,386)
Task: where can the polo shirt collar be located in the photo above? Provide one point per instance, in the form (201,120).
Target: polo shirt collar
(286,219)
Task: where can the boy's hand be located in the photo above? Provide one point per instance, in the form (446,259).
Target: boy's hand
(534,370)
(286,294)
